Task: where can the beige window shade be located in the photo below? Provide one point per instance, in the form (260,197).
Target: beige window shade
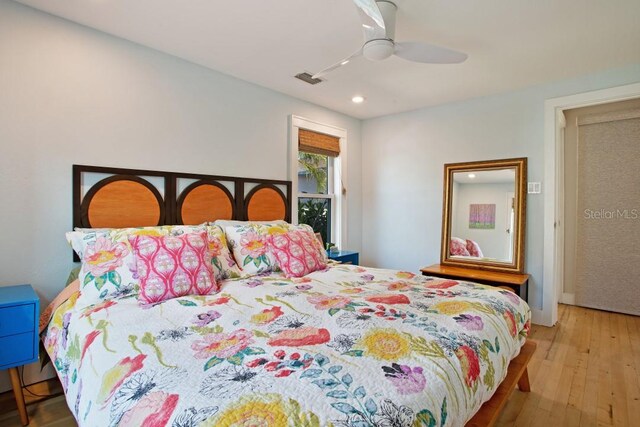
(318,143)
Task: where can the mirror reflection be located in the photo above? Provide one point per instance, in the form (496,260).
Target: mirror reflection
(483,215)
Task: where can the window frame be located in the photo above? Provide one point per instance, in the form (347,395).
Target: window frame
(336,173)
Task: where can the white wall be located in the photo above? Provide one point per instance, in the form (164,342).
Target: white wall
(494,242)
(404,154)
(69,94)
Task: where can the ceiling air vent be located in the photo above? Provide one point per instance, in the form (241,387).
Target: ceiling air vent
(308,78)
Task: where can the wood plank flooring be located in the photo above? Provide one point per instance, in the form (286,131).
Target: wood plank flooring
(585,372)
(49,412)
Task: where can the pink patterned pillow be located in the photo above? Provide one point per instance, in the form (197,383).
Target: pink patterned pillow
(173,266)
(458,247)
(474,248)
(297,252)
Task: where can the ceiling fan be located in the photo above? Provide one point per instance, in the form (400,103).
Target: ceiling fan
(379,26)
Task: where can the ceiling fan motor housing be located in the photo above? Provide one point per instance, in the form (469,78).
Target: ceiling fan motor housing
(382,48)
(377,50)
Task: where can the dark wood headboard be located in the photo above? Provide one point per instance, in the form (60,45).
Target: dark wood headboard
(136,198)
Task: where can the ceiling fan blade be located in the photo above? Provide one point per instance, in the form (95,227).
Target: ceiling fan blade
(337,65)
(372,21)
(428,53)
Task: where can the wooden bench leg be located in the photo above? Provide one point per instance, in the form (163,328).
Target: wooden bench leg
(17,391)
(523,382)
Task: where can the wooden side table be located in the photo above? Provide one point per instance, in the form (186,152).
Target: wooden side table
(517,282)
(19,311)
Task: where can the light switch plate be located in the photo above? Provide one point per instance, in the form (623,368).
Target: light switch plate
(534,188)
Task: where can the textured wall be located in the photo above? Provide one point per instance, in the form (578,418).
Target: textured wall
(571,213)
(608,214)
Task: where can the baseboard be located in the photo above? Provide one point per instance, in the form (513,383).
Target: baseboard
(537,316)
(567,298)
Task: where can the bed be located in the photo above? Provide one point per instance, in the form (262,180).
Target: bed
(343,346)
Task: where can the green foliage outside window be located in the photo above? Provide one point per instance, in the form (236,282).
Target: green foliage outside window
(316,166)
(315,212)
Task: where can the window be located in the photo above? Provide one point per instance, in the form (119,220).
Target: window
(316,171)
(315,192)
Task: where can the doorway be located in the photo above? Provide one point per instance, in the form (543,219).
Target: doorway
(553,234)
(601,205)
(511,220)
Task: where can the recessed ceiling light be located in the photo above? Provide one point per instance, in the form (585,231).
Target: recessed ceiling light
(472,175)
(358,99)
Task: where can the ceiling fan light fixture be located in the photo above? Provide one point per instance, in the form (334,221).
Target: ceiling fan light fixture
(377,50)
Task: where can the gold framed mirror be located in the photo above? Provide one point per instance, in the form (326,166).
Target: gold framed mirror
(484,215)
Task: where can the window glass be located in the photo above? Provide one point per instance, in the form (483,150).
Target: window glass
(316,212)
(313,173)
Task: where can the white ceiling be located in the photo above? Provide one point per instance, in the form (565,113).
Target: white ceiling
(511,43)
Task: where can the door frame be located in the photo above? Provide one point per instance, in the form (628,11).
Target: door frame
(553,266)
(511,213)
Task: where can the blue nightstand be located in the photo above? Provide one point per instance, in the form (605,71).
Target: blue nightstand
(19,311)
(345,257)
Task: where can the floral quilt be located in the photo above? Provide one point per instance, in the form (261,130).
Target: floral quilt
(347,346)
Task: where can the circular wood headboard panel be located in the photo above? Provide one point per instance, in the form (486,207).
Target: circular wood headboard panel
(266,203)
(122,201)
(204,201)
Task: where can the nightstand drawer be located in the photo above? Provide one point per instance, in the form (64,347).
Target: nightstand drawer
(17,319)
(345,257)
(15,350)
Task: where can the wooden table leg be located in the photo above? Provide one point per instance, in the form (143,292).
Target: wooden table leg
(17,391)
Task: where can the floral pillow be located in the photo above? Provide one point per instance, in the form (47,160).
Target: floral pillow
(249,243)
(474,248)
(108,268)
(224,223)
(458,247)
(298,252)
(224,266)
(173,266)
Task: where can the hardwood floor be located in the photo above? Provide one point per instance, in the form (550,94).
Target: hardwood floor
(585,372)
(49,412)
